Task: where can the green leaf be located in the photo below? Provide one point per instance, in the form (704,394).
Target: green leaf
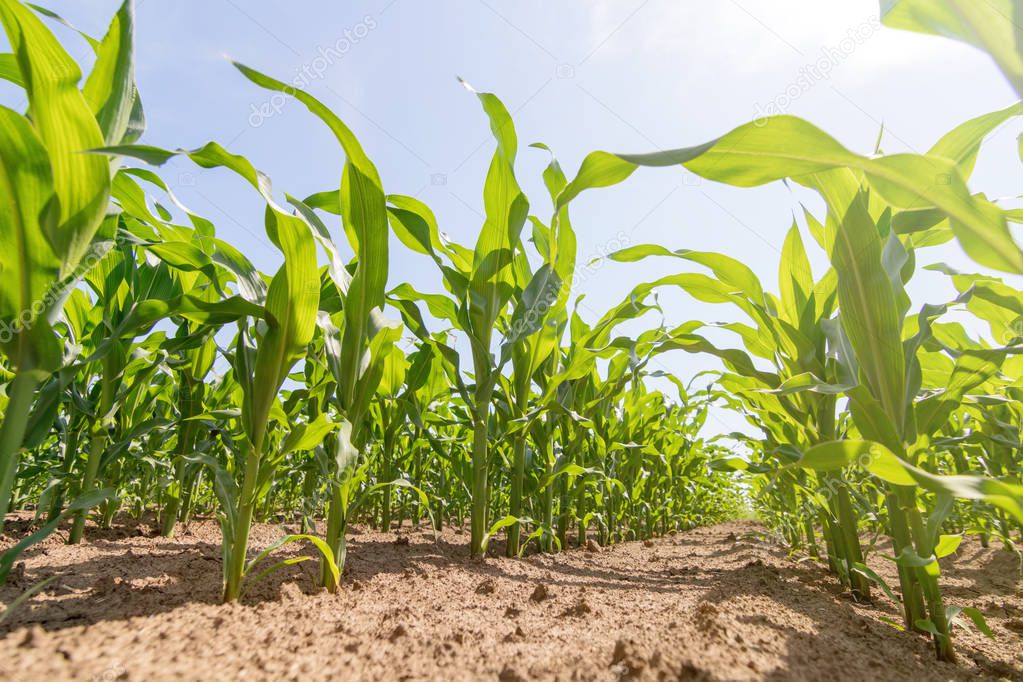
(416,227)
(885,465)
(788,147)
(795,278)
(492,280)
(952,613)
(304,437)
(538,298)
(324,550)
(927,625)
(869,309)
(947,544)
(364,216)
(873,577)
(110,88)
(726,269)
(500,524)
(989,25)
(9,70)
(835,454)
(67,127)
(962,143)
(28,266)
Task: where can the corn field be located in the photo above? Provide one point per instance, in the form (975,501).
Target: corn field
(147,367)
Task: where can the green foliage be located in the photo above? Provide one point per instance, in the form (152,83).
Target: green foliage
(147,365)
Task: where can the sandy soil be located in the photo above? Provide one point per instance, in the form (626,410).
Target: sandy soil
(713,603)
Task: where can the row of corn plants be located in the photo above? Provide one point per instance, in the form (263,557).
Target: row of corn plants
(872,415)
(149,368)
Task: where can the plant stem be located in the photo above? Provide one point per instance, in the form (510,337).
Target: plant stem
(850,528)
(20,395)
(480,462)
(517,481)
(932,592)
(580,498)
(387,465)
(189,402)
(71,437)
(98,439)
(337,522)
(912,600)
(234,568)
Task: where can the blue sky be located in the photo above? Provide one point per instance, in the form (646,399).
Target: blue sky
(623,75)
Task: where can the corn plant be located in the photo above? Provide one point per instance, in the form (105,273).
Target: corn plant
(148,367)
(55,196)
(481,284)
(358,349)
(870,201)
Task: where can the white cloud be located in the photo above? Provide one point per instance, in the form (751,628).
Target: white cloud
(743,37)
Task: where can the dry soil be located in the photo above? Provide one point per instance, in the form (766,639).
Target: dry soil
(718,603)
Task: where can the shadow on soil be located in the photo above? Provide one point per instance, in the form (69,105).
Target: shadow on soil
(130,573)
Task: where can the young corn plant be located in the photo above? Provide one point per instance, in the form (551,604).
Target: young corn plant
(481,284)
(264,352)
(358,348)
(55,197)
(795,403)
(872,417)
(869,198)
